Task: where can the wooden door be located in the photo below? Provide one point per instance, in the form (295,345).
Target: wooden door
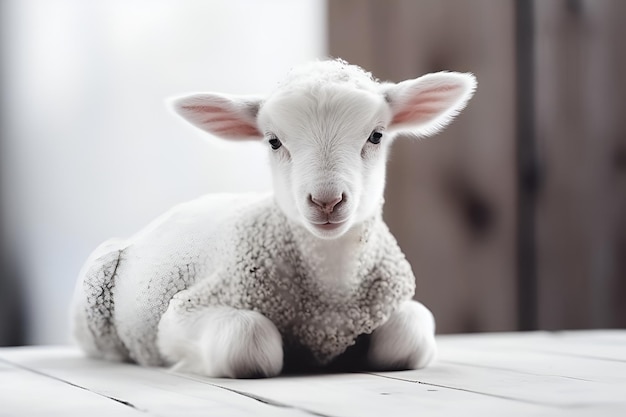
(514,217)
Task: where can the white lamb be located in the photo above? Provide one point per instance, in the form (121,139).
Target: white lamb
(241,285)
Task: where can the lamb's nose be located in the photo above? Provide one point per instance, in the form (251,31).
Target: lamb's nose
(327,205)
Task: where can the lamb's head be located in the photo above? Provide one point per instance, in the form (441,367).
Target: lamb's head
(328,128)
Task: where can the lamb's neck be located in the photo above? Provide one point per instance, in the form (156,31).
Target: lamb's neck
(335,263)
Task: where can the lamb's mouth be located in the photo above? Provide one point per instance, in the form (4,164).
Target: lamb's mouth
(329,225)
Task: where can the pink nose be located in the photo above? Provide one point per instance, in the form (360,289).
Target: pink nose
(327,205)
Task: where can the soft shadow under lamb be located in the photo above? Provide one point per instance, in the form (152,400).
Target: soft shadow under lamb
(239,285)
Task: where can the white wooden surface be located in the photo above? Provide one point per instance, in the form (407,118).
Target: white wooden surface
(521,374)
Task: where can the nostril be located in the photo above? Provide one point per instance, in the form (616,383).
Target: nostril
(327,205)
(315,202)
(333,203)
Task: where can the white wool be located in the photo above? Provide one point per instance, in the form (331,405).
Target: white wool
(326,73)
(233,285)
(251,258)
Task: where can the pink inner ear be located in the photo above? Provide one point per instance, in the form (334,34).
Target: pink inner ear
(427,104)
(222,121)
(243,131)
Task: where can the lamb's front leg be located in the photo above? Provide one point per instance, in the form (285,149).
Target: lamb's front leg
(219,341)
(405,341)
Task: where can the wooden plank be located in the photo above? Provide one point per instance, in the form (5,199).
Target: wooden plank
(489,374)
(24,393)
(509,367)
(329,395)
(535,388)
(548,364)
(532,367)
(608,345)
(371,395)
(150,389)
(547,390)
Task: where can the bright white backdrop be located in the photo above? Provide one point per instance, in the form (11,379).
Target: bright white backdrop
(89,150)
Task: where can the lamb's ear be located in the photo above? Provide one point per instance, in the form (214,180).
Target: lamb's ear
(229,117)
(425,105)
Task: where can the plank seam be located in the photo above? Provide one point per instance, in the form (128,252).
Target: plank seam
(43,374)
(255,397)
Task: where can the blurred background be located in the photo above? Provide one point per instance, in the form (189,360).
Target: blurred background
(514,218)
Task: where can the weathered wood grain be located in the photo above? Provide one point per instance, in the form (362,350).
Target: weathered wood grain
(152,390)
(581,133)
(513,374)
(452,200)
(27,393)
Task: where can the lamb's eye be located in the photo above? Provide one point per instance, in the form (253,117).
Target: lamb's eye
(275,143)
(375,137)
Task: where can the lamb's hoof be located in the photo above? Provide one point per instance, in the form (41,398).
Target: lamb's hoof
(405,341)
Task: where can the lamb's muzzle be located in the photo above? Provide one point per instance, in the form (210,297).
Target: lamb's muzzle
(238,285)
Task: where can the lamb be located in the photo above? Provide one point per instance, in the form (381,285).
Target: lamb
(242,285)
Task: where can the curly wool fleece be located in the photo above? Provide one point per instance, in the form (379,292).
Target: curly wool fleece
(249,256)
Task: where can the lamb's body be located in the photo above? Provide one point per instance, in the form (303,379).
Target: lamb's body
(229,285)
(251,257)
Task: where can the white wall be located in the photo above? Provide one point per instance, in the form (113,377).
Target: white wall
(89,150)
